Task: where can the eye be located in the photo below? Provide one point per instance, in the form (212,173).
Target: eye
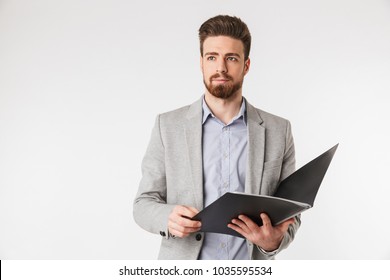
(211,58)
(231,58)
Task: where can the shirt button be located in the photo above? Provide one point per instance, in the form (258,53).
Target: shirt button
(223,245)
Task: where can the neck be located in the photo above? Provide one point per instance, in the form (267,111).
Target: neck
(224,109)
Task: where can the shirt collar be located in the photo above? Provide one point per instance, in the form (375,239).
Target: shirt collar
(207,112)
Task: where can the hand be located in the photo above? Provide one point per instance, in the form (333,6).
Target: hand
(267,236)
(180,223)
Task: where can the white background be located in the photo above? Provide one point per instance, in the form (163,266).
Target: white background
(82,81)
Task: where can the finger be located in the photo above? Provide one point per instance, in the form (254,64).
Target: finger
(239,223)
(184,214)
(266,220)
(248,222)
(284,226)
(185,222)
(180,225)
(175,232)
(180,228)
(238,229)
(186,211)
(181,215)
(289,221)
(193,210)
(178,233)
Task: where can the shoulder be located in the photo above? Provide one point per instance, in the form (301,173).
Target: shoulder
(271,119)
(182,114)
(175,114)
(268,120)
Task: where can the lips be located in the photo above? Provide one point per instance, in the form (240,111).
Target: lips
(220,80)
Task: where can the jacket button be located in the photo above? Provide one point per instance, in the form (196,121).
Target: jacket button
(198,237)
(162,233)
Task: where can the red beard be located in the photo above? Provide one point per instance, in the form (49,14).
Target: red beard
(224,91)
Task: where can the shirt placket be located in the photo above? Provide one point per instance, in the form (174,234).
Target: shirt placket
(225,179)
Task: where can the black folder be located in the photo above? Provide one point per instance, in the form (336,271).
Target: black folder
(294,195)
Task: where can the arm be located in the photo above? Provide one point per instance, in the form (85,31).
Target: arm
(150,208)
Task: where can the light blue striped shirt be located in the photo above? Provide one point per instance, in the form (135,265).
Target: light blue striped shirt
(224,167)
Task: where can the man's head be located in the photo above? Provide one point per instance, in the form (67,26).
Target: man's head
(224,46)
(229,26)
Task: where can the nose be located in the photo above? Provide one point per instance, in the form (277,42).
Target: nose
(221,67)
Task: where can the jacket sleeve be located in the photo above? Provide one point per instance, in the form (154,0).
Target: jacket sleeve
(150,209)
(288,168)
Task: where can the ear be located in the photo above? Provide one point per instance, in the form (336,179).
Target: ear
(247,65)
(201,63)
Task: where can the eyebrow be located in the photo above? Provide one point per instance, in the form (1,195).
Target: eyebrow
(228,54)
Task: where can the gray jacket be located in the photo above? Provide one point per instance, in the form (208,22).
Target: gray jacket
(172,173)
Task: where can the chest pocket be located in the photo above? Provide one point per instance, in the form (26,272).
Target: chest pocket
(271,176)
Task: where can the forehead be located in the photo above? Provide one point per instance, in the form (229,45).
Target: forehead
(223,44)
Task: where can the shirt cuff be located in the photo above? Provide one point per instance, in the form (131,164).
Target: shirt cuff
(268,253)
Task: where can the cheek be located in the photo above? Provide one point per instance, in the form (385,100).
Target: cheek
(207,74)
(237,74)
(209,66)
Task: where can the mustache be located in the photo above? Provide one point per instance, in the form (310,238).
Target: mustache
(223,76)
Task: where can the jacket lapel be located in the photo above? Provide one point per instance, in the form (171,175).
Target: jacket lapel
(193,134)
(256,145)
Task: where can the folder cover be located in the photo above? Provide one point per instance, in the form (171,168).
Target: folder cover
(294,195)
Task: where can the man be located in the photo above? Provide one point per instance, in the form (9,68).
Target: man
(219,143)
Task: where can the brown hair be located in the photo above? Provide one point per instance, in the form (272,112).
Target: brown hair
(223,25)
